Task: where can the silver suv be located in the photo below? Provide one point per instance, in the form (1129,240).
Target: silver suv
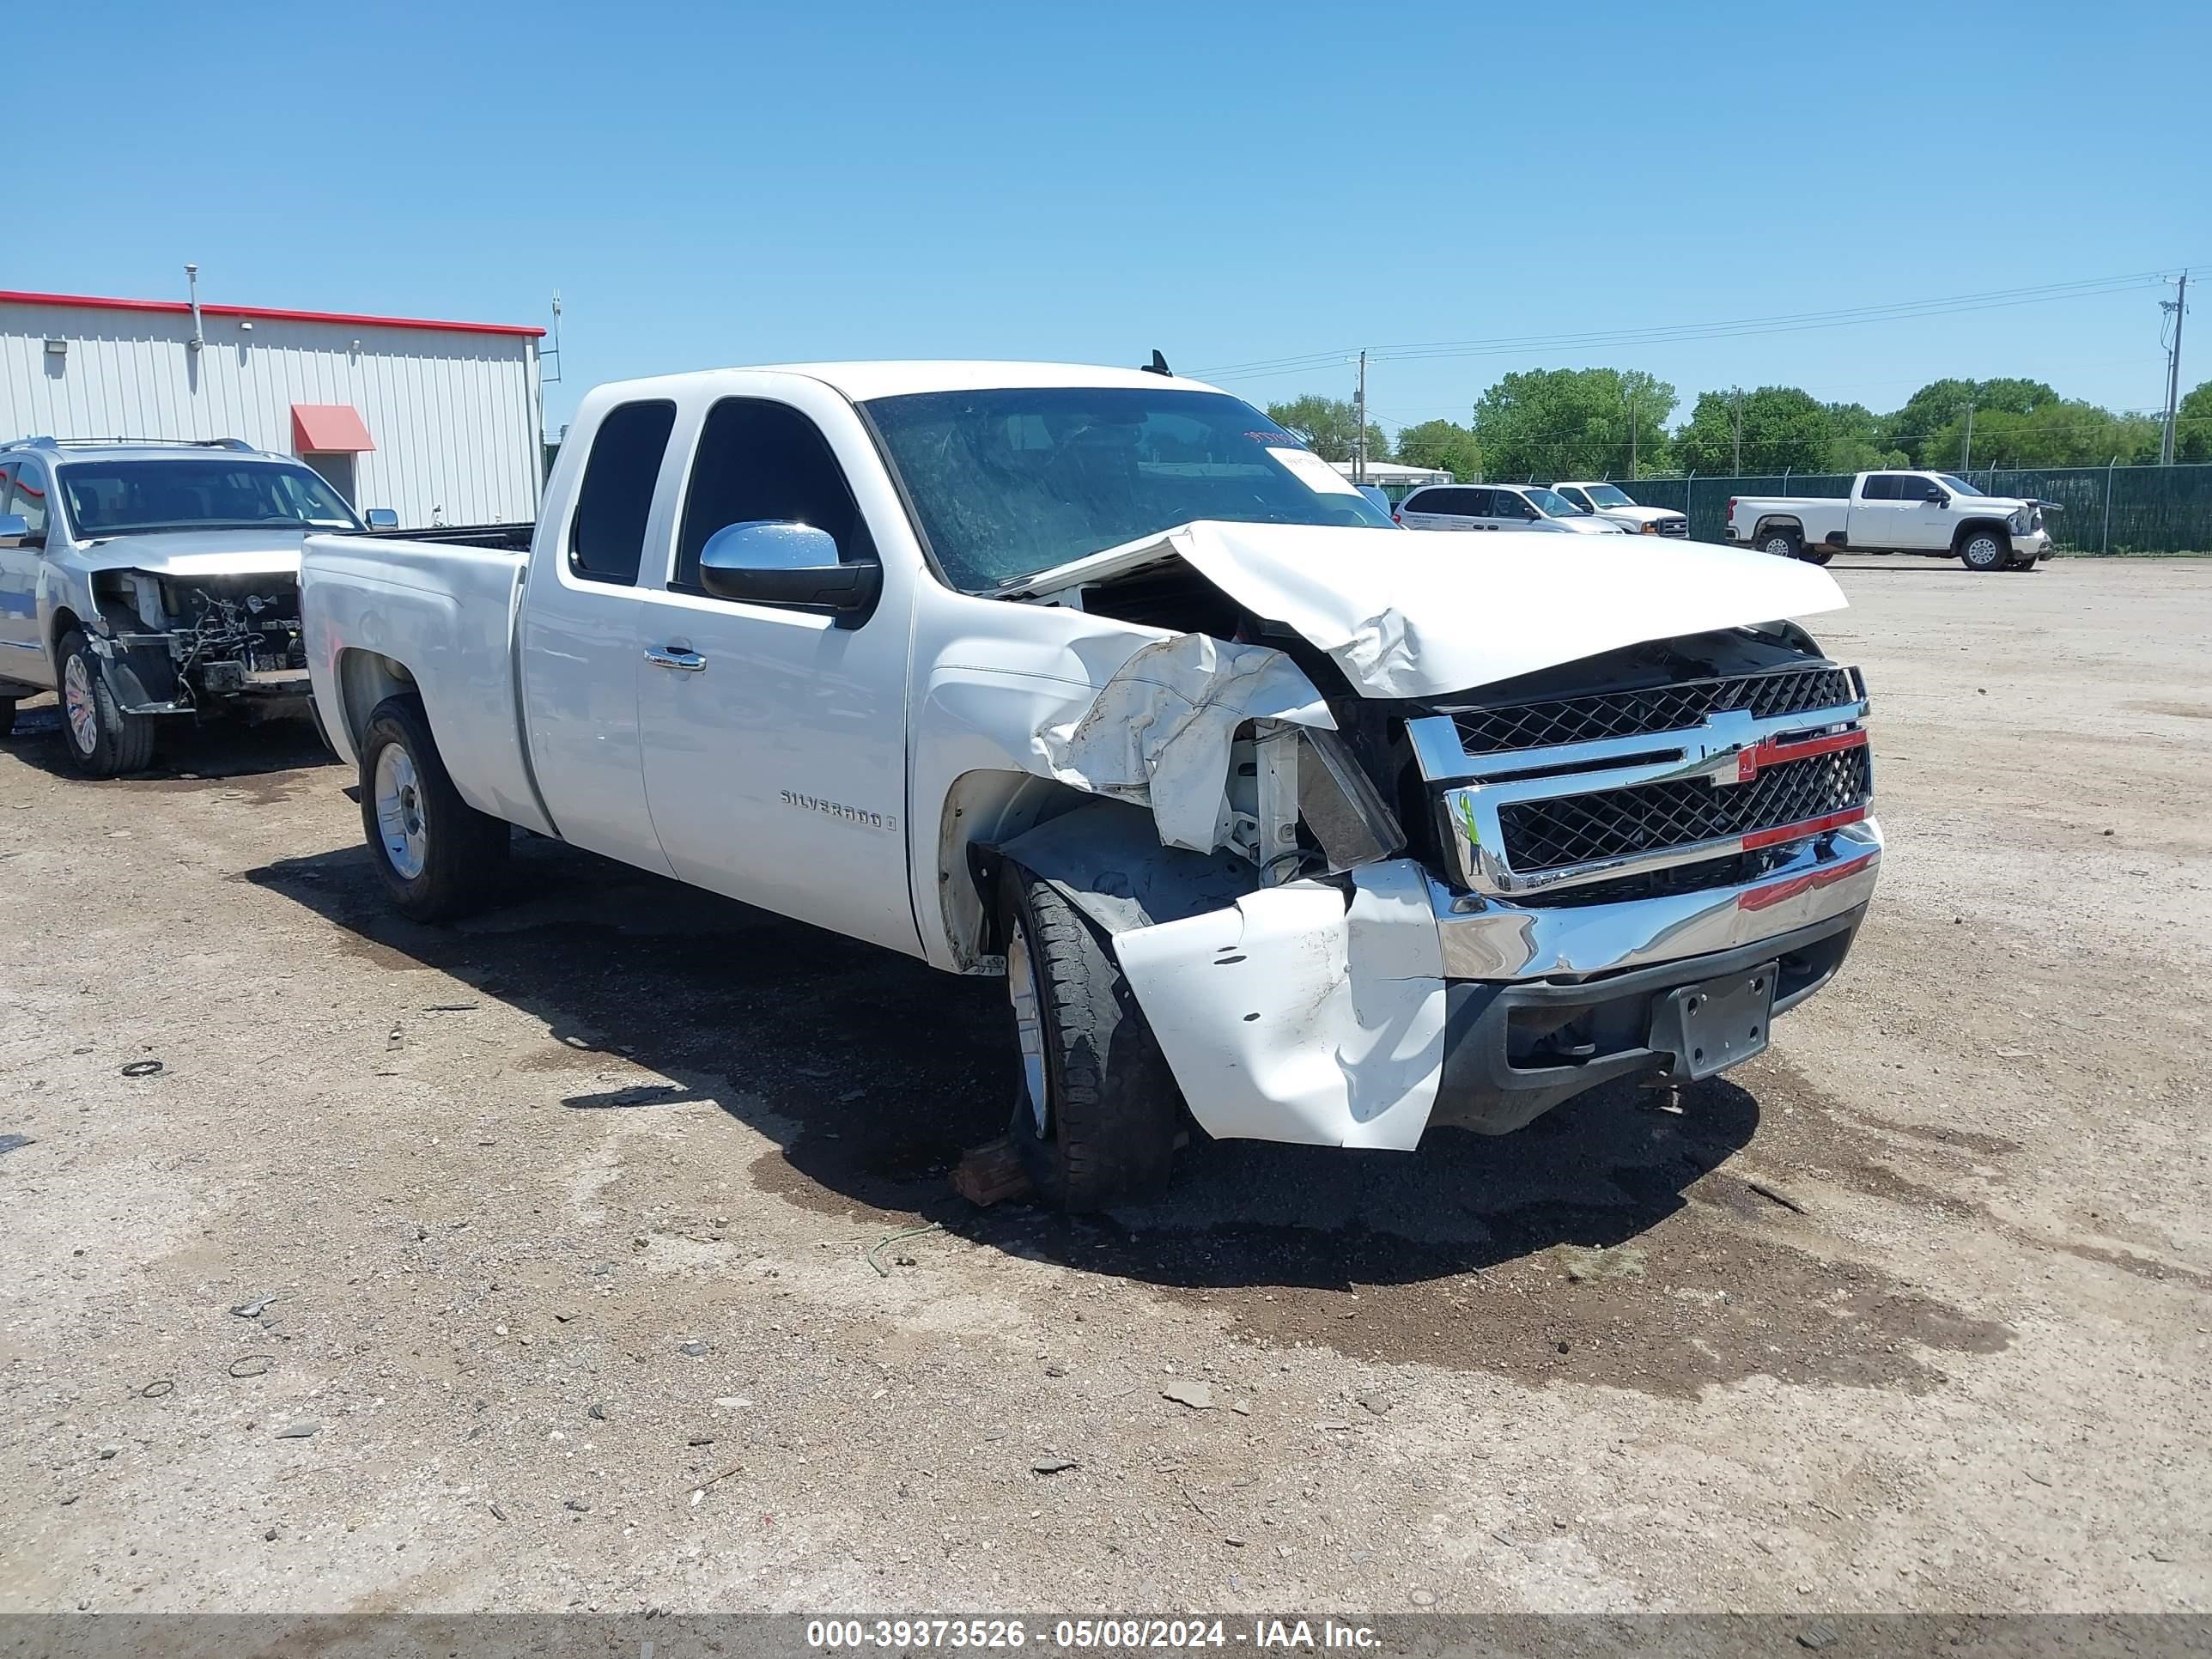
(142,580)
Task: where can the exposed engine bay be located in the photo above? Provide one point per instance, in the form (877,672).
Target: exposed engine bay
(190,644)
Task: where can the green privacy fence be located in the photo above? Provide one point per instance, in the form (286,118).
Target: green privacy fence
(2101,509)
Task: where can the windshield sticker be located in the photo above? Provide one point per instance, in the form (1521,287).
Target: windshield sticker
(1314,472)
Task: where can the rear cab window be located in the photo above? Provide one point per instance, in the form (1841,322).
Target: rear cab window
(606,536)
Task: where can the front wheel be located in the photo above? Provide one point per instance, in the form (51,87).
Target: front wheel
(102,740)
(1096,1108)
(1817,555)
(7,716)
(437,855)
(1984,550)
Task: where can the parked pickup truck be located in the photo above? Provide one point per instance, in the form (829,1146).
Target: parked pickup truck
(1897,512)
(1612,501)
(1101,682)
(143,582)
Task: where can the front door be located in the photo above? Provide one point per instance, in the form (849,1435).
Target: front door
(774,736)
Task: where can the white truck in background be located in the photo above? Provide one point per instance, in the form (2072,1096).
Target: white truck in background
(1099,681)
(1897,512)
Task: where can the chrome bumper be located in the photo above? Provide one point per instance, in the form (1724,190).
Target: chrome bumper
(1490,937)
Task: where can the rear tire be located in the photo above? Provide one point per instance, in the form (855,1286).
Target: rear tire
(1984,550)
(102,741)
(1095,1112)
(1782,544)
(438,856)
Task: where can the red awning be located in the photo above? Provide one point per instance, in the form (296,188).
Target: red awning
(329,429)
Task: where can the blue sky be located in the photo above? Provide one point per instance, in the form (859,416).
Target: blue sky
(710,185)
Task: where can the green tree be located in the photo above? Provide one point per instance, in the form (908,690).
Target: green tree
(2060,432)
(1784,430)
(2193,428)
(1443,444)
(1330,427)
(1858,440)
(1574,423)
(1935,405)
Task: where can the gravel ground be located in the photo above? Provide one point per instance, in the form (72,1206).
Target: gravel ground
(527,1264)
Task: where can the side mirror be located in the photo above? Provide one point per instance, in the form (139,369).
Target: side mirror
(1936,497)
(771,561)
(381,518)
(13,528)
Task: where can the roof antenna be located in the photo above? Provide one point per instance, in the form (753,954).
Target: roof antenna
(1158,365)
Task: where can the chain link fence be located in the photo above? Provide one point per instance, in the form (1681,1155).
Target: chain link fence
(2102,510)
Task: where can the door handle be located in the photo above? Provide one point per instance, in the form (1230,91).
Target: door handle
(668,656)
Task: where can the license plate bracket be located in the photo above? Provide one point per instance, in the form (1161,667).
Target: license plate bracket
(1716,1024)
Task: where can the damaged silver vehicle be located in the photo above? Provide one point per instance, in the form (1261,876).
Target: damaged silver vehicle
(145,581)
(1277,820)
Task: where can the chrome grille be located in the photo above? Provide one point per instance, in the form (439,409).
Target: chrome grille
(1558,831)
(1673,526)
(1657,709)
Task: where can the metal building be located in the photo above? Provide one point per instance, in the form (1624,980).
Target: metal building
(439,422)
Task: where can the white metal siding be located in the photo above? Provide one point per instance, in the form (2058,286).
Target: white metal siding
(454,414)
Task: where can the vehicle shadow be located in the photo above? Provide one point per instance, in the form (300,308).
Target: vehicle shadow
(186,756)
(870,1075)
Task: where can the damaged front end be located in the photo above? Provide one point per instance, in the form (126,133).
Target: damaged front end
(1365,905)
(196,644)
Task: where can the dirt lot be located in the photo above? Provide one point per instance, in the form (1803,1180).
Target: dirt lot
(562,1220)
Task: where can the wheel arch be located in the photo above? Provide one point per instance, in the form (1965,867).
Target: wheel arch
(1967,527)
(1768,522)
(984,807)
(364,679)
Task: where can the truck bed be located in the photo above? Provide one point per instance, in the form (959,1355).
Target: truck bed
(444,602)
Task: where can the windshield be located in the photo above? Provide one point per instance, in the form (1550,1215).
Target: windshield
(1008,482)
(1553,505)
(131,498)
(1606,495)
(1957,486)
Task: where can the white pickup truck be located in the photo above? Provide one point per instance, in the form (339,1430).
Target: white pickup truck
(1897,512)
(1267,812)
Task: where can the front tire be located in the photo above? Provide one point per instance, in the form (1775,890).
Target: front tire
(7,716)
(1096,1108)
(1984,550)
(438,856)
(1817,555)
(102,740)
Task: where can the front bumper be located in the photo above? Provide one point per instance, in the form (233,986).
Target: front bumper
(1297,1015)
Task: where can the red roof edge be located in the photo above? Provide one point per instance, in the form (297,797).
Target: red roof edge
(96,302)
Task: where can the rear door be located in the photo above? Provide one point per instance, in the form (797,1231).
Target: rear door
(776,735)
(22,653)
(582,638)
(1438,507)
(1877,518)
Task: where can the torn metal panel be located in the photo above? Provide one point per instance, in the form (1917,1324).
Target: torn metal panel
(1160,730)
(1295,1016)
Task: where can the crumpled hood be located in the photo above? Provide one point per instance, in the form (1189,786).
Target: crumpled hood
(200,553)
(1422,616)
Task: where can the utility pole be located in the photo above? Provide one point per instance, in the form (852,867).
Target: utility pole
(1736,400)
(1359,453)
(2179,305)
(1967,457)
(1629,402)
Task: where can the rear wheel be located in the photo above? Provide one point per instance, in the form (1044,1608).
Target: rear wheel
(1783,543)
(102,740)
(1984,550)
(1096,1110)
(437,855)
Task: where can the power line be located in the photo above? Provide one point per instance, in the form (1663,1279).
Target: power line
(1661,334)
